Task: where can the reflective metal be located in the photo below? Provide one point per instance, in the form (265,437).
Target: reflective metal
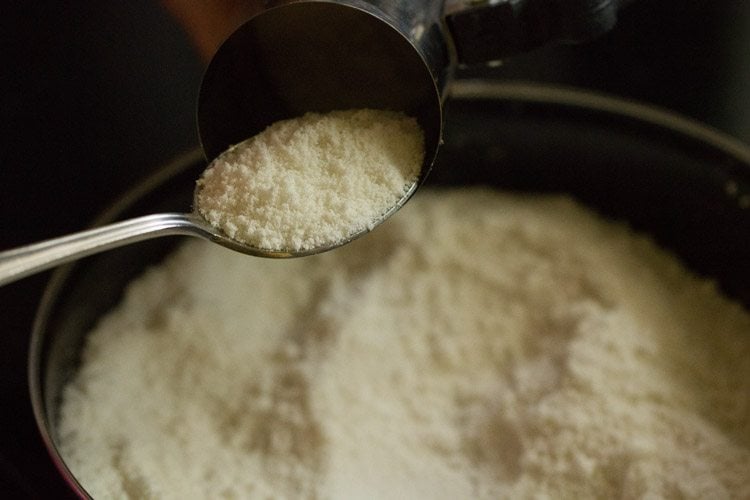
(299,56)
(20,262)
(319,56)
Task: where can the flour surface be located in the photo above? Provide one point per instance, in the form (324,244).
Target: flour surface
(313,181)
(477,345)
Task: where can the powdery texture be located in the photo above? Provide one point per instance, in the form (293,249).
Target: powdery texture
(476,346)
(313,181)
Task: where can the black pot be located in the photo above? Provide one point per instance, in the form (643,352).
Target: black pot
(682,183)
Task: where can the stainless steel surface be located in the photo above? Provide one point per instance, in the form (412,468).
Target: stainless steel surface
(468,90)
(21,262)
(27,260)
(300,56)
(320,56)
(484,30)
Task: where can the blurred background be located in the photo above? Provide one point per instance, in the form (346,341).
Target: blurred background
(95,95)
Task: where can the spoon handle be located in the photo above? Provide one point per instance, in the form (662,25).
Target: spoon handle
(26,260)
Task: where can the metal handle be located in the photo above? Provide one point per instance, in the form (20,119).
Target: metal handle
(24,261)
(486,30)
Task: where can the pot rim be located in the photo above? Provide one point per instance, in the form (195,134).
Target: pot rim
(560,95)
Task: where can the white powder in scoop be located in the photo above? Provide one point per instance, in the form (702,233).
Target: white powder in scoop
(313,181)
(478,345)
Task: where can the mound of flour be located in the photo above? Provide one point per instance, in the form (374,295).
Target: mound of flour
(478,345)
(313,181)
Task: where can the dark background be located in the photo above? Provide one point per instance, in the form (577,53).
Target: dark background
(95,95)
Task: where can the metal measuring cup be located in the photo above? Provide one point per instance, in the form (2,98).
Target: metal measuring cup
(300,56)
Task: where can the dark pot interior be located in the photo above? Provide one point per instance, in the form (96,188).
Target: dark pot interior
(683,184)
